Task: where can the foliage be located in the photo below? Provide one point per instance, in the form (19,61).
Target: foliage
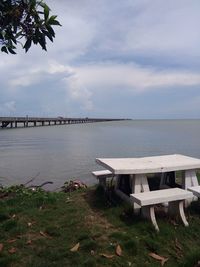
(26,22)
(19,190)
(70,186)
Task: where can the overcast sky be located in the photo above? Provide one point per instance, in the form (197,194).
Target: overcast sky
(126,58)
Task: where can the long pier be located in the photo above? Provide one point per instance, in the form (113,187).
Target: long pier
(15,122)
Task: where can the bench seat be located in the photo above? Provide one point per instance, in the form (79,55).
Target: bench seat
(175,197)
(195,190)
(106,173)
(102,176)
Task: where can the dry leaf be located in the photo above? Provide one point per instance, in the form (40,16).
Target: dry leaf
(12,250)
(159,258)
(1,247)
(118,250)
(75,248)
(13,216)
(29,242)
(11,241)
(107,256)
(29,224)
(178,249)
(45,235)
(178,245)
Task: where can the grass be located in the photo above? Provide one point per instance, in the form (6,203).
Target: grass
(38,229)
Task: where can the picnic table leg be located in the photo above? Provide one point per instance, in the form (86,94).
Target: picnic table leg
(189,179)
(102,182)
(149,213)
(139,184)
(177,208)
(119,192)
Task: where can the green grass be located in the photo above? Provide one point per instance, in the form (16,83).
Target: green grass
(41,228)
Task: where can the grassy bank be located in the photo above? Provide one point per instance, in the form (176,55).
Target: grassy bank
(40,229)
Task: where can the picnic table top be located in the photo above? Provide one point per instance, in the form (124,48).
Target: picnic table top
(154,164)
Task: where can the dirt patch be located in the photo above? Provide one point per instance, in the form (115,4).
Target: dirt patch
(95,218)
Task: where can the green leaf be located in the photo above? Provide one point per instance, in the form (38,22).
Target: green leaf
(33,4)
(52,21)
(27,45)
(55,22)
(42,42)
(4,49)
(46,12)
(48,35)
(11,51)
(50,30)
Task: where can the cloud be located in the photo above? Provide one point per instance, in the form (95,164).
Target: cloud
(103,49)
(165,27)
(138,79)
(35,73)
(78,92)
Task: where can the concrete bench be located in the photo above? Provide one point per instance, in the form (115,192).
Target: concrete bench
(195,190)
(175,197)
(102,176)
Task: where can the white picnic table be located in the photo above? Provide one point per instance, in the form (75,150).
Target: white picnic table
(138,168)
(132,172)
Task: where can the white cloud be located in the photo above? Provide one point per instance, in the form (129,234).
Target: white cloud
(78,92)
(32,74)
(139,79)
(97,49)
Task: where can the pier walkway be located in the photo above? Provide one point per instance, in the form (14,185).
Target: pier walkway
(15,122)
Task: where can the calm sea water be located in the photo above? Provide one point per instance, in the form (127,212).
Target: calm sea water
(60,153)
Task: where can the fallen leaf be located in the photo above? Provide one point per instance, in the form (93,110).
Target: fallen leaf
(178,245)
(178,249)
(1,247)
(29,224)
(159,258)
(29,242)
(44,234)
(68,201)
(11,241)
(107,256)
(75,248)
(13,216)
(118,250)
(12,250)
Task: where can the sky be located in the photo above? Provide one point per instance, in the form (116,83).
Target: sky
(136,59)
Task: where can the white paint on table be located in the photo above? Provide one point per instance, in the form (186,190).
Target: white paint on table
(137,168)
(155,164)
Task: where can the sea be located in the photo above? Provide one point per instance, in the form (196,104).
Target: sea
(67,152)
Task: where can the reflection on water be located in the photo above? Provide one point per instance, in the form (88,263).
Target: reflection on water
(60,153)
